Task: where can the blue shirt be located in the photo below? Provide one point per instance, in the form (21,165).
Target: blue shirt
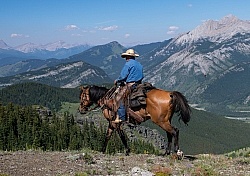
(132,71)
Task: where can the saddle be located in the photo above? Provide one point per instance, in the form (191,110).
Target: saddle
(134,99)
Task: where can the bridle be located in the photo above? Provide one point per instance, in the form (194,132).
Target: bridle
(85,101)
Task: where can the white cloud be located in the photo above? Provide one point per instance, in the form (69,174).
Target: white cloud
(127,36)
(19,36)
(172,29)
(190,5)
(71,27)
(77,35)
(108,28)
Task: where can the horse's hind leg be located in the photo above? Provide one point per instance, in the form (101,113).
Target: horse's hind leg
(168,149)
(124,140)
(176,140)
(175,134)
(108,136)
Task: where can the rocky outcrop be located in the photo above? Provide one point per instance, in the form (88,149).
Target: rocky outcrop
(147,134)
(133,132)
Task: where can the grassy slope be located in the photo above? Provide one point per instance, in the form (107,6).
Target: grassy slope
(206,132)
(209,133)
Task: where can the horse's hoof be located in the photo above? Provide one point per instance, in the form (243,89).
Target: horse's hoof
(180,155)
(174,156)
(127,152)
(168,152)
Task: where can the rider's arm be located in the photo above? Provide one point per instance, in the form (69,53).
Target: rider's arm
(124,74)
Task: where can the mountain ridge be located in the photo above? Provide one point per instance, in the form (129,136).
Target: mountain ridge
(67,75)
(220,29)
(191,66)
(59,50)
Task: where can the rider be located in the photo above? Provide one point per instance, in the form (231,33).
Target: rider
(131,73)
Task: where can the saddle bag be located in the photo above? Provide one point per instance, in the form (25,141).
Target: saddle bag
(138,94)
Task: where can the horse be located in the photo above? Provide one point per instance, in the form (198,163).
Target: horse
(160,108)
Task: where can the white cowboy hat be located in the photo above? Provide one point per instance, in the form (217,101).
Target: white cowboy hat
(129,52)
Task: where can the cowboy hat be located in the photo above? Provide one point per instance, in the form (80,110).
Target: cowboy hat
(129,52)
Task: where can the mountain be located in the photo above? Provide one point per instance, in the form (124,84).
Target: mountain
(8,55)
(194,63)
(3,45)
(206,64)
(59,45)
(27,65)
(66,75)
(107,57)
(217,31)
(208,49)
(59,50)
(230,91)
(28,47)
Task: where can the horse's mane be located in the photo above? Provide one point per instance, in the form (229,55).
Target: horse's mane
(96,93)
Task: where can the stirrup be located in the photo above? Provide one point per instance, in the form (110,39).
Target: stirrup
(117,120)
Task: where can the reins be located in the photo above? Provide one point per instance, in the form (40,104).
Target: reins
(107,95)
(94,108)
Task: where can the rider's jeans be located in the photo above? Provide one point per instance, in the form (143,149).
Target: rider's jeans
(122,112)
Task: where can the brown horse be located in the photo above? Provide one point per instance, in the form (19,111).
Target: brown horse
(160,107)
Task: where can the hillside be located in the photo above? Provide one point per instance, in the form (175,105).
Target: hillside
(87,162)
(107,57)
(206,132)
(210,133)
(66,75)
(30,93)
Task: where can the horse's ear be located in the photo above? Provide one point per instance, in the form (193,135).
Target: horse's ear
(83,87)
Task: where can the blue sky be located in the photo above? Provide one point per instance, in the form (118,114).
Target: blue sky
(96,22)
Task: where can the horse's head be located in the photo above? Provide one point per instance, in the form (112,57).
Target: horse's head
(85,101)
(90,95)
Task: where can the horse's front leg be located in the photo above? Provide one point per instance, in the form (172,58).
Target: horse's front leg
(123,138)
(108,136)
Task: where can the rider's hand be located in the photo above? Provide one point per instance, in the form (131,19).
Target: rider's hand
(115,82)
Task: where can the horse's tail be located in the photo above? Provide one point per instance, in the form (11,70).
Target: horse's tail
(181,105)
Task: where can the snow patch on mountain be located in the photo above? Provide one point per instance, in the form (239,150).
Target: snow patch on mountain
(247,100)
(31,47)
(81,77)
(198,63)
(58,71)
(57,45)
(28,47)
(216,31)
